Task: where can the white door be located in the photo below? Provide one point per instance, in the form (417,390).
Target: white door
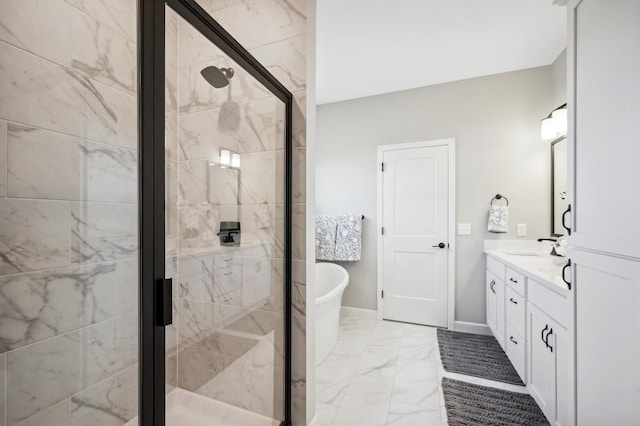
(414,244)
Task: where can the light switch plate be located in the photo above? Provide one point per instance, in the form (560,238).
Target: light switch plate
(522,229)
(464,229)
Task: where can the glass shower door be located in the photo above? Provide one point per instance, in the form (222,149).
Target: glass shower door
(225,235)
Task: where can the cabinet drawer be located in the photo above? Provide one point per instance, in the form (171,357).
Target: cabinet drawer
(496,267)
(515,280)
(549,302)
(516,314)
(516,351)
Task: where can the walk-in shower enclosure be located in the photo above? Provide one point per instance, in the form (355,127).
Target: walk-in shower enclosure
(119,302)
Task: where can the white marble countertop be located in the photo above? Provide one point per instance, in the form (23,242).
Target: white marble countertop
(532,259)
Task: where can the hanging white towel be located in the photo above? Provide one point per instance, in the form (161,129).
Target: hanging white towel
(498,219)
(349,238)
(326,227)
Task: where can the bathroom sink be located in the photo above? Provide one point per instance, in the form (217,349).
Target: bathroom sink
(524,253)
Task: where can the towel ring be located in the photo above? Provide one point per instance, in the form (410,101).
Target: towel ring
(499,197)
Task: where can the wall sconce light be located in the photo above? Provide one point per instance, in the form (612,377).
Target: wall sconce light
(229,158)
(555,124)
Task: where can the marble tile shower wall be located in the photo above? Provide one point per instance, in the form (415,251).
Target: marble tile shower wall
(68,213)
(210,310)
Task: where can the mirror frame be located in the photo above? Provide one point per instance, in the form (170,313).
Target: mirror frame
(554,232)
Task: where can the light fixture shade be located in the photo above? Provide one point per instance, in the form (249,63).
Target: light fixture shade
(548,129)
(559,118)
(225,157)
(235,160)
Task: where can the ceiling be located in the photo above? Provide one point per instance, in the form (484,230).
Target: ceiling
(369,47)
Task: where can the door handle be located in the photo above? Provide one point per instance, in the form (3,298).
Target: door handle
(568,210)
(564,269)
(513,340)
(546,340)
(515,302)
(546,327)
(440,245)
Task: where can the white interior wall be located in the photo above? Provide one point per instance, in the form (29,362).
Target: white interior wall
(496,123)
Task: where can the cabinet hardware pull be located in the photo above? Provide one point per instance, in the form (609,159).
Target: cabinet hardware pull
(564,269)
(546,327)
(546,340)
(563,219)
(515,302)
(513,340)
(491,284)
(513,280)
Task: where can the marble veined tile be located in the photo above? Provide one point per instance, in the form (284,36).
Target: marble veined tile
(262,178)
(299,121)
(195,48)
(112,402)
(325,414)
(193,182)
(33,235)
(416,383)
(43,94)
(67,364)
(127,271)
(102,54)
(200,137)
(58,415)
(286,60)
(119,15)
(127,127)
(366,402)
(3,158)
(401,414)
(298,178)
(3,383)
(101,232)
(37,26)
(271,20)
(38,305)
(82,170)
(379,361)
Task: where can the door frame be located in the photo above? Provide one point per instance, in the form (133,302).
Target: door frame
(153,288)
(450,143)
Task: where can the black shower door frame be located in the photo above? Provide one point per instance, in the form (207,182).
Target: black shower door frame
(155,301)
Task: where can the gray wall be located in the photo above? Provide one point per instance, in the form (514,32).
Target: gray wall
(559,79)
(496,123)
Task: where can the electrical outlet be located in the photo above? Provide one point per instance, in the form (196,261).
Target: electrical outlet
(464,229)
(522,229)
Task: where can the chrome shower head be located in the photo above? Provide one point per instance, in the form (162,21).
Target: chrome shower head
(217,77)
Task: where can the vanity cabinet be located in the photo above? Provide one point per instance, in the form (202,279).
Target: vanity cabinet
(537,323)
(548,366)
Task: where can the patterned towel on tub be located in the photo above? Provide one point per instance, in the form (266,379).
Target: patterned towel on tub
(326,227)
(498,219)
(349,238)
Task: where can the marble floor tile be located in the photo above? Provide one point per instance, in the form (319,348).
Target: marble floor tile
(58,415)
(401,414)
(325,414)
(3,158)
(378,361)
(3,383)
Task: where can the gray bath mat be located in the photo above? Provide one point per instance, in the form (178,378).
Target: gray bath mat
(468,404)
(475,355)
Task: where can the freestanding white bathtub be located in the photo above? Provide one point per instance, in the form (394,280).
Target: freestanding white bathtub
(331,280)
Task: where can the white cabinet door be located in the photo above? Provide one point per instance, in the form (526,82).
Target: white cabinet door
(604,106)
(500,313)
(542,363)
(491,302)
(607,303)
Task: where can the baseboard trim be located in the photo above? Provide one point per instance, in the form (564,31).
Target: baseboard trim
(473,327)
(348,311)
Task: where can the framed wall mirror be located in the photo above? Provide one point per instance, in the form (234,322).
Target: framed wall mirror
(558,184)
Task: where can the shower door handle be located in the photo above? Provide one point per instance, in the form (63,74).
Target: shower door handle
(165,302)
